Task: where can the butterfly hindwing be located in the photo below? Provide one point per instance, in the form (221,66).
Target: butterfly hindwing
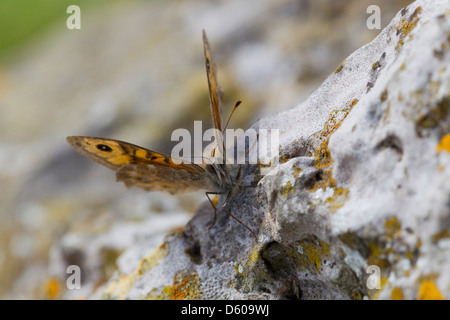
(163,178)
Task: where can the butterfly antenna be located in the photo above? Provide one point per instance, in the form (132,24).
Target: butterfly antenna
(235,107)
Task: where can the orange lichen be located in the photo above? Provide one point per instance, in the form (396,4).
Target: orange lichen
(52,289)
(397,294)
(406,26)
(322,154)
(429,291)
(444,144)
(326,180)
(186,286)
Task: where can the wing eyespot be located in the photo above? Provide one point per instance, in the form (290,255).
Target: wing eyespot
(103,147)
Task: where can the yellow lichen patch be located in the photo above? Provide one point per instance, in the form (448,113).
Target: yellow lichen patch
(406,26)
(378,255)
(326,180)
(434,117)
(152,259)
(119,288)
(393,228)
(374,294)
(312,251)
(429,291)
(397,294)
(286,189)
(444,144)
(376,65)
(284,159)
(255,253)
(239,269)
(322,154)
(338,199)
(379,251)
(52,289)
(186,286)
(297,172)
(444,234)
(340,67)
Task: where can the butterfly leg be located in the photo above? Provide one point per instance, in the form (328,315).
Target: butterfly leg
(227,211)
(214,206)
(243,224)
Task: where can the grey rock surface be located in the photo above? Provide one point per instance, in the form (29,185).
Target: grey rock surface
(363,184)
(363,178)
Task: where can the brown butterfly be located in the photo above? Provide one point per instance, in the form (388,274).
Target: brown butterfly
(150,170)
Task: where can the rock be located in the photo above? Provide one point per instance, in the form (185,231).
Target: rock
(360,205)
(118,80)
(135,72)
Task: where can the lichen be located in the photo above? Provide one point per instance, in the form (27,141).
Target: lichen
(153,259)
(338,199)
(429,291)
(393,228)
(287,189)
(444,234)
(297,172)
(52,288)
(340,67)
(322,153)
(434,117)
(186,286)
(444,144)
(397,294)
(120,286)
(312,251)
(406,26)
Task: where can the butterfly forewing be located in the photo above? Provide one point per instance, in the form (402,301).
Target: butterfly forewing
(115,153)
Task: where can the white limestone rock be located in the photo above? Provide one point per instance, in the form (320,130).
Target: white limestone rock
(364,180)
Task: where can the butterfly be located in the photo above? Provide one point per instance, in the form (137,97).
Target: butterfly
(150,170)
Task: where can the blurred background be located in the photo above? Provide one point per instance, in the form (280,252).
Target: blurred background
(135,72)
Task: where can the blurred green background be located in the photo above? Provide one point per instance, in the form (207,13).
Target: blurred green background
(22,21)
